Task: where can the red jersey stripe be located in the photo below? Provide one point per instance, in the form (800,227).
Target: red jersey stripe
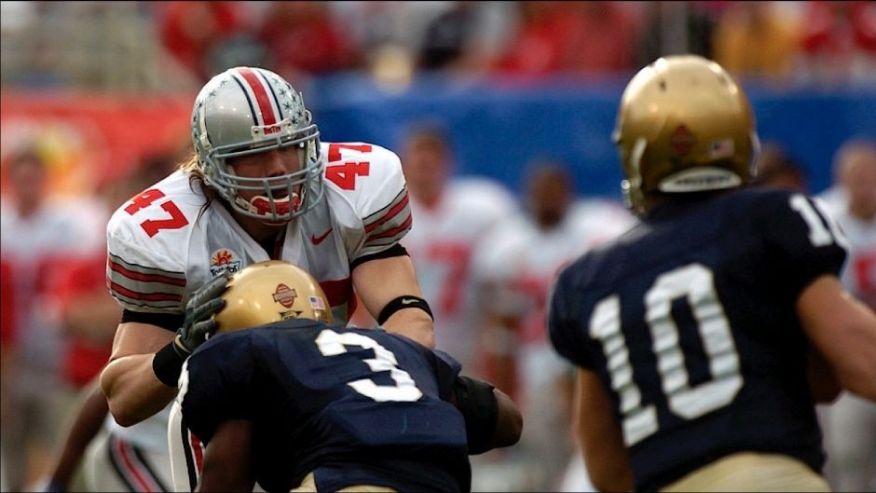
(389,215)
(142,296)
(394,231)
(139,276)
(124,453)
(198,452)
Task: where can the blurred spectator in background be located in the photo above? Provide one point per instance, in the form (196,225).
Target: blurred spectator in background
(661,35)
(854,207)
(570,37)
(39,237)
(756,39)
(850,423)
(7,342)
(776,168)
(302,39)
(190,30)
(839,41)
(513,269)
(466,37)
(90,316)
(451,217)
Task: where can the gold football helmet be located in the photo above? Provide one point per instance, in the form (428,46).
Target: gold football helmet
(271,291)
(684,125)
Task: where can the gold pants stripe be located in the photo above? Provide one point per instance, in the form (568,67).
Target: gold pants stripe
(748,471)
(309,486)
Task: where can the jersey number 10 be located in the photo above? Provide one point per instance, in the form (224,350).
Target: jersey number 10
(695,283)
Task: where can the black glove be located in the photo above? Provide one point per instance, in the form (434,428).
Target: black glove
(199,324)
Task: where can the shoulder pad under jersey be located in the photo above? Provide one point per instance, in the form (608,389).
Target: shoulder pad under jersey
(369,180)
(147,246)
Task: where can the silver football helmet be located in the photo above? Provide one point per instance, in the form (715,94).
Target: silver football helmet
(247,110)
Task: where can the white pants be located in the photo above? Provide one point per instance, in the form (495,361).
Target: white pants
(849,426)
(185,450)
(113,464)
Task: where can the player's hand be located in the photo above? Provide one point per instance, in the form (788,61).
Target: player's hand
(199,323)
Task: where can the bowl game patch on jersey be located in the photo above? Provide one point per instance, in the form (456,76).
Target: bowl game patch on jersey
(224,260)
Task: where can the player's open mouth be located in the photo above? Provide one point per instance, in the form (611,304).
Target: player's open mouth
(279,193)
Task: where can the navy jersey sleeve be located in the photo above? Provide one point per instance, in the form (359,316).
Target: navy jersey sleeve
(803,240)
(446,371)
(562,326)
(218,384)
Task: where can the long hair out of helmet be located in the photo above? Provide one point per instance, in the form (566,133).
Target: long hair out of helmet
(684,125)
(245,111)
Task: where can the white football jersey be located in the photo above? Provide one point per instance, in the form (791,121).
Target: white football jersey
(164,244)
(62,229)
(859,272)
(516,265)
(441,243)
(517,262)
(514,268)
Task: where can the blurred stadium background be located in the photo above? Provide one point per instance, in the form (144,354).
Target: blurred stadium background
(98,90)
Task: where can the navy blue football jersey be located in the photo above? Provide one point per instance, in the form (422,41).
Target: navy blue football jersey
(355,406)
(689,321)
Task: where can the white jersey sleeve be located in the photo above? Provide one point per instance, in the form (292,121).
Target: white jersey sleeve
(147,241)
(370,181)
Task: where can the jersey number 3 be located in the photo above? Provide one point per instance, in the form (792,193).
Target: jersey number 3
(331,343)
(695,283)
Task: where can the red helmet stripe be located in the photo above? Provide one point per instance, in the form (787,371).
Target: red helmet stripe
(262,98)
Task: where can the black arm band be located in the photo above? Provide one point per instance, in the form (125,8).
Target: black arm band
(168,321)
(477,403)
(167,364)
(406,301)
(393,251)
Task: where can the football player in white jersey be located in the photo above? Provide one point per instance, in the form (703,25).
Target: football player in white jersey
(261,186)
(513,269)
(849,425)
(452,216)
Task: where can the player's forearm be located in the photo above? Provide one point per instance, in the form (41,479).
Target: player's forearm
(859,375)
(844,335)
(509,421)
(227,476)
(389,290)
(414,324)
(228,459)
(133,391)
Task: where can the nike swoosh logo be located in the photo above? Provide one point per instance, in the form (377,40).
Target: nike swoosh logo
(407,301)
(316,240)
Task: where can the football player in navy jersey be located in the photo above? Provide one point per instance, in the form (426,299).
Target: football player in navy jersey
(299,403)
(705,334)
